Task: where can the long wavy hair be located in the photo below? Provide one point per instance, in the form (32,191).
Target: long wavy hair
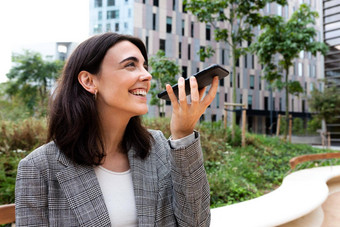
(74,123)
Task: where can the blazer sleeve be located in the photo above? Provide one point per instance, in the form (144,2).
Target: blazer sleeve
(30,196)
(191,199)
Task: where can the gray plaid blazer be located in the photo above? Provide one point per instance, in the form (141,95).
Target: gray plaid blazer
(170,188)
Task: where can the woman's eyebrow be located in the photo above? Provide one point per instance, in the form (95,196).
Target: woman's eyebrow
(132,58)
(129,59)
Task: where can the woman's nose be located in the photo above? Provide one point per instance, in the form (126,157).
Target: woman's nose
(146,76)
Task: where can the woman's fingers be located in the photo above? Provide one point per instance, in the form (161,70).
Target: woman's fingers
(182,97)
(172,96)
(195,96)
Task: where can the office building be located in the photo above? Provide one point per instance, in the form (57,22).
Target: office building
(166,25)
(331,32)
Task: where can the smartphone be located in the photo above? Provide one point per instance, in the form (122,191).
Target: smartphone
(204,78)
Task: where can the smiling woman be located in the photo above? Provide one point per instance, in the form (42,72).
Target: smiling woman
(102,167)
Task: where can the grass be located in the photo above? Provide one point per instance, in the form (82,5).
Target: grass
(234,173)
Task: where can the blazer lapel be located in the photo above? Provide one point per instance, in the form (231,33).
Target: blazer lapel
(83,193)
(144,177)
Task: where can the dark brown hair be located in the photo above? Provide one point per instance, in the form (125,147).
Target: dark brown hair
(73,118)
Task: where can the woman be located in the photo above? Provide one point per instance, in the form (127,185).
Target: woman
(102,167)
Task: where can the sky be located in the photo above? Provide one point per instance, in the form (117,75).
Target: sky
(35,21)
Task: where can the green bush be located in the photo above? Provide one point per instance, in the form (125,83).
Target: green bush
(234,173)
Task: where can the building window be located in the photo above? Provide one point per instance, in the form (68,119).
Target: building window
(155,3)
(108,27)
(192,29)
(98,3)
(202,49)
(173,5)
(279,10)
(208,32)
(129,13)
(126,26)
(265,103)
(238,80)
(162,44)
(303,104)
(312,70)
(217,100)
(184,71)
(116,27)
(300,70)
(153,21)
(292,105)
(250,102)
(147,43)
(183,26)
(110,2)
(251,81)
(246,61)
(100,15)
(184,10)
(179,50)
(168,24)
(280,107)
(301,54)
(260,83)
(231,79)
(168,103)
(112,14)
(252,61)
(226,97)
(202,118)
(222,82)
(97,28)
(222,57)
(189,51)
(213,117)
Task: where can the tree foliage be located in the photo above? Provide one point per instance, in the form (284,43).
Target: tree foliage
(163,72)
(31,79)
(287,39)
(240,18)
(326,104)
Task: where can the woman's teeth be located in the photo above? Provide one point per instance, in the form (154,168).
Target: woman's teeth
(139,92)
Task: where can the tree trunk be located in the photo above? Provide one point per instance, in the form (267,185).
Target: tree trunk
(287,103)
(234,90)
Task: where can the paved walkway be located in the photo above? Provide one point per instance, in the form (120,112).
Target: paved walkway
(336,148)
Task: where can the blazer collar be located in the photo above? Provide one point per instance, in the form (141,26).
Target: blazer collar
(83,193)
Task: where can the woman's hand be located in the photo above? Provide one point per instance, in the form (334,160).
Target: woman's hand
(185,116)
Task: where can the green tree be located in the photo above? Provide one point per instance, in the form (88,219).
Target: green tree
(240,17)
(287,39)
(31,79)
(326,104)
(163,72)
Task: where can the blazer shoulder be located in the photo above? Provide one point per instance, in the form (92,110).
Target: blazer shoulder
(42,156)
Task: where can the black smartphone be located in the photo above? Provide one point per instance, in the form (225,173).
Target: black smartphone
(204,78)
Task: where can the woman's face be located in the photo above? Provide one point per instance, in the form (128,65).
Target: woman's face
(123,81)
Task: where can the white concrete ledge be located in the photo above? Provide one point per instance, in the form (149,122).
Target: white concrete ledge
(301,194)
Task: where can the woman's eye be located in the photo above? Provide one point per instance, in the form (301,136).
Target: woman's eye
(132,64)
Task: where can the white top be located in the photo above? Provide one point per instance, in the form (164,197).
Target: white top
(117,189)
(118,195)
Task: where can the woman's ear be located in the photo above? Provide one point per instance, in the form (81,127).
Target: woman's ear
(86,80)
